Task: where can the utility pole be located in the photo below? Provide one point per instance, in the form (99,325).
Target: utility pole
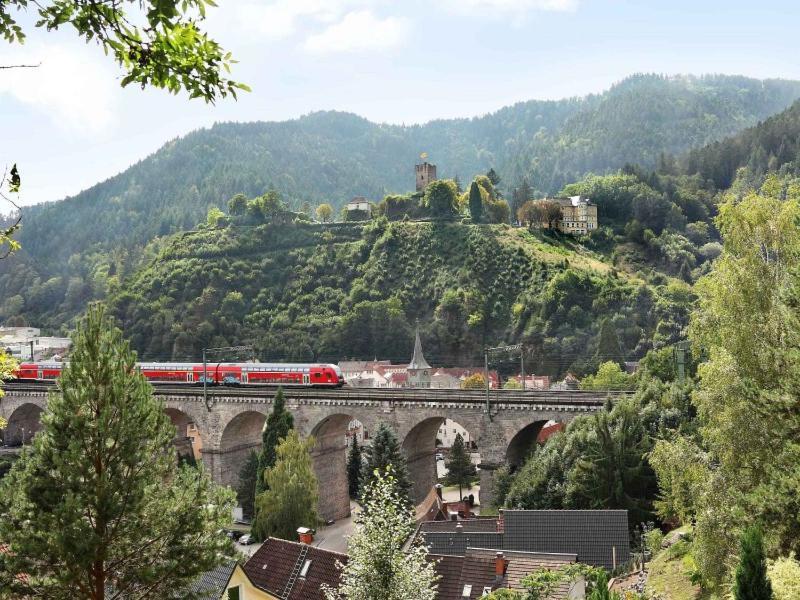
(522,367)
(499,349)
(486,367)
(206,351)
(31,343)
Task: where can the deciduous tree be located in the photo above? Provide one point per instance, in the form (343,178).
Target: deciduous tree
(97,506)
(156,42)
(440,198)
(378,568)
(290,500)
(324,213)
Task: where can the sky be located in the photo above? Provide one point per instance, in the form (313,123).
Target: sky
(68,124)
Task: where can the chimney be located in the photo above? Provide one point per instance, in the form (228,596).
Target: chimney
(305,535)
(438,487)
(499,566)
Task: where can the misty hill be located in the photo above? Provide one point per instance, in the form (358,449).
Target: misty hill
(773,145)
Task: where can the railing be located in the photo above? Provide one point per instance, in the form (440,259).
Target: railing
(430,395)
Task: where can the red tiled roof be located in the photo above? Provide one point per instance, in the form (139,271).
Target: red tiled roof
(271,566)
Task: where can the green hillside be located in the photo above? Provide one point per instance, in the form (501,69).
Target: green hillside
(313,292)
(73,248)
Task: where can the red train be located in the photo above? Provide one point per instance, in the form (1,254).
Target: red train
(285,374)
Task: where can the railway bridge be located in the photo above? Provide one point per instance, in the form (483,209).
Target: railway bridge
(227,425)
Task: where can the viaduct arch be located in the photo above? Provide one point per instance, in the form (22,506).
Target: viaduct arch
(229,430)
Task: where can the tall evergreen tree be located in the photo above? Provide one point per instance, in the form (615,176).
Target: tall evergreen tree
(97,507)
(354,467)
(247,483)
(385,452)
(751,582)
(279,423)
(475,202)
(608,346)
(378,568)
(290,500)
(460,470)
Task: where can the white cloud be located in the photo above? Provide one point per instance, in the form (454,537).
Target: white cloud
(359,31)
(513,7)
(71,86)
(282,18)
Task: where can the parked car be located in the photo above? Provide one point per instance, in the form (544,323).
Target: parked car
(246,539)
(234,534)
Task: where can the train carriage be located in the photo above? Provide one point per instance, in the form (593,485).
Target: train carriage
(284,374)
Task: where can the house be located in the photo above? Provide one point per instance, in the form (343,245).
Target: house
(597,537)
(578,215)
(358,209)
(284,570)
(481,571)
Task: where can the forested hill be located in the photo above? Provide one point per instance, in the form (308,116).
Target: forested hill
(73,248)
(331,157)
(326,292)
(773,145)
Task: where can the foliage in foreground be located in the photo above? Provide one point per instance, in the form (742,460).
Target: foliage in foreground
(97,505)
(378,568)
(291,495)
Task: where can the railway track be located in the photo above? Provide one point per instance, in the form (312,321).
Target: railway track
(432,396)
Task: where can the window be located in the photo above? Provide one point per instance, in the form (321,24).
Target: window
(304,570)
(234,593)
(486,591)
(467,591)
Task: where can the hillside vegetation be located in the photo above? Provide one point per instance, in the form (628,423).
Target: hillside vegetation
(313,292)
(73,248)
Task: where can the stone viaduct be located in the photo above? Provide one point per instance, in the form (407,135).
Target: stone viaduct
(229,423)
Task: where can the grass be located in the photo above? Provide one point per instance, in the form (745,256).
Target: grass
(669,574)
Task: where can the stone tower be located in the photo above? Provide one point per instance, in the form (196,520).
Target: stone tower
(426,173)
(419,371)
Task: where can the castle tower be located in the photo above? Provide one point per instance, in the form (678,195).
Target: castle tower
(419,371)
(425,173)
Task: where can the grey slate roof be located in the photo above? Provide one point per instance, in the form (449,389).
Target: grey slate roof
(212,583)
(593,535)
(418,361)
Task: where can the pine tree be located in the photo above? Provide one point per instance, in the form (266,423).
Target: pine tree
(460,470)
(98,504)
(608,346)
(247,483)
(290,500)
(751,582)
(377,567)
(475,202)
(354,467)
(279,423)
(384,452)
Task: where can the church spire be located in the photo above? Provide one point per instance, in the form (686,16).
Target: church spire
(418,361)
